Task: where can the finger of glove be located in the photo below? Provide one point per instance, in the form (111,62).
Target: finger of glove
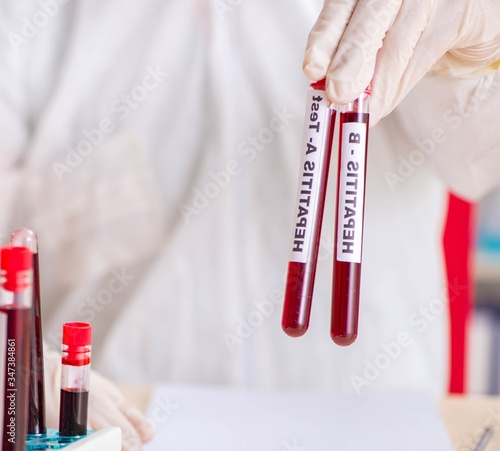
(104,413)
(353,65)
(394,56)
(437,37)
(146,428)
(325,37)
(105,385)
(478,44)
(477,50)
(107,388)
(456,67)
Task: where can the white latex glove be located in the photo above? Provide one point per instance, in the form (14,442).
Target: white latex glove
(107,405)
(396,42)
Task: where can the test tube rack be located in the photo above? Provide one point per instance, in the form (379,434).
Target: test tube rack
(108,439)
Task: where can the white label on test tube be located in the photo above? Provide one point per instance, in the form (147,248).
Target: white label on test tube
(351,192)
(313,152)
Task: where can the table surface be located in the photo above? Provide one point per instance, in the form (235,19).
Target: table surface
(465,417)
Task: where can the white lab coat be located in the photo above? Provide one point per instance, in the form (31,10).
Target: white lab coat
(187,288)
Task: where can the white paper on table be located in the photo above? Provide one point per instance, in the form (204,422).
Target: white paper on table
(220,419)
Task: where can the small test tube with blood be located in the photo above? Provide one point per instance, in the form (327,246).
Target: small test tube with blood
(15,326)
(75,379)
(353,144)
(36,401)
(316,151)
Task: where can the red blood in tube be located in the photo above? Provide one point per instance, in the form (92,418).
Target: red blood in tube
(27,238)
(74,409)
(300,279)
(16,366)
(298,297)
(36,411)
(347,275)
(75,378)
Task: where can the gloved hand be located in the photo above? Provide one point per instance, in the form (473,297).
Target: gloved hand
(396,42)
(107,405)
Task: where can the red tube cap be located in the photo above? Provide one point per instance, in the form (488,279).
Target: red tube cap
(14,262)
(77,338)
(77,335)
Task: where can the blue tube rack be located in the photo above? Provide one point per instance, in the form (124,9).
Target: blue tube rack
(51,440)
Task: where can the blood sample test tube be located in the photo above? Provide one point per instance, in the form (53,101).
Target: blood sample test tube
(36,400)
(15,318)
(75,379)
(316,151)
(353,143)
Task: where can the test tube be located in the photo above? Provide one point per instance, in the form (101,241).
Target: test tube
(316,151)
(75,379)
(36,400)
(353,144)
(15,319)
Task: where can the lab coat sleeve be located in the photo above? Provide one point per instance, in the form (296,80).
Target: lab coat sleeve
(29,56)
(14,129)
(455,128)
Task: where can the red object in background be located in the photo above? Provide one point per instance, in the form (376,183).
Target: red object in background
(457,243)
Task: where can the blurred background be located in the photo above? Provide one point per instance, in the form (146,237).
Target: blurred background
(484,353)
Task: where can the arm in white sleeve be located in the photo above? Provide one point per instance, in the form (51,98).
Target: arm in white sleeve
(455,128)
